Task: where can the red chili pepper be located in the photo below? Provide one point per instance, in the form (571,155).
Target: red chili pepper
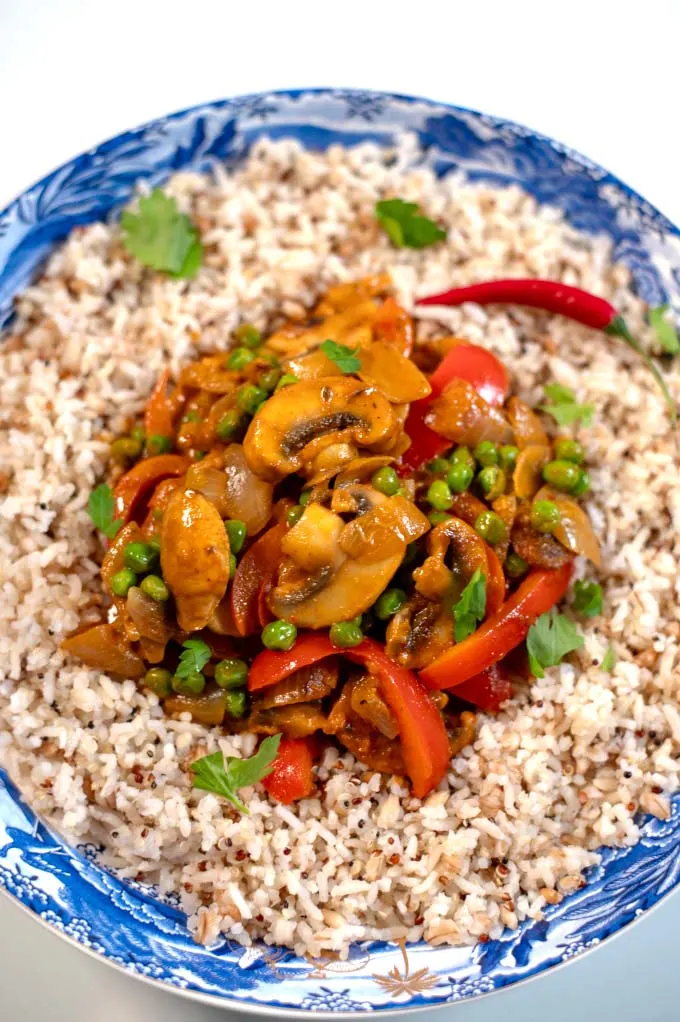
(468,362)
(560,299)
(291,776)
(132,488)
(421,729)
(540,590)
(253,579)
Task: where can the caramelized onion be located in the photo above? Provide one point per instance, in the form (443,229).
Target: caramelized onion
(106,650)
(574,531)
(246,497)
(462,416)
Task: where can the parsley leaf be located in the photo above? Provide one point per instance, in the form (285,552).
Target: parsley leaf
(405,224)
(608,660)
(345,358)
(549,640)
(471,607)
(224,777)
(588,598)
(100,508)
(161,237)
(194,658)
(565,409)
(666,334)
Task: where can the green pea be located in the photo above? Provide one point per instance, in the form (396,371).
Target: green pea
(237,532)
(270,358)
(294,514)
(305,497)
(126,448)
(287,380)
(137,432)
(233,564)
(515,566)
(231,673)
(437,466)
(563,475)
(236,703)
(459,476)
(567,449)
(192,685)
(439,495)
(122,581)
(157,444)
(492,481)
(545,516)
(345,634)
(507,456)
(389,603)
(239,359)
(279,635)
(437,517)
(155,587)
(155,543)
(583,484)
(386,481)
(486,453)
(192,416)
(462,455)
(270,379)
(199,455)
(248,335)
(249,397)
(229,425)
(159,681)
(139,557)
(491,527)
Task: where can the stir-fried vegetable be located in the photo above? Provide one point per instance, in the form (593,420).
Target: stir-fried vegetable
(330,513)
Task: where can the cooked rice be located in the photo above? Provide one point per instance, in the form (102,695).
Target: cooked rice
(561,772)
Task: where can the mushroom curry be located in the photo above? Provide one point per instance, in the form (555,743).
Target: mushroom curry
(330,535)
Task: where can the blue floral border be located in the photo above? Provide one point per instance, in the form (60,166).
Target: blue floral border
(127,923)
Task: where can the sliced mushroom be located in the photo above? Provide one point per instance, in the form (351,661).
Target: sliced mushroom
(194,557)
(329,461)
(365,742)
(279,434)
(461,415)
(537,548)
(400,380)
(340,327)
(342,296)
(362,468)
(419,632)
(384,530)
(209,374)
(368,704)
(313,542)
(456,540)
(527,474)
(308,685)
(526,425)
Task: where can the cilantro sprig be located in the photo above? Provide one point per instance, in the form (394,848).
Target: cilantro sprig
(195,655)
(161,237)
(588,598)
(345,358)
(564,407)
(100,508)
(666,334)
(608,660)
(471,607)
(550,638)
(405,225)
(225,776)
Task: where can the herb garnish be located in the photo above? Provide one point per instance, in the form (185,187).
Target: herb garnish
(161,237)
(608,660)
(471,607)
(225,776)
(666,334)
(549,640)
(100,508)
(564,407)
(405,224)
(194,657)
(345,358)
(588,598)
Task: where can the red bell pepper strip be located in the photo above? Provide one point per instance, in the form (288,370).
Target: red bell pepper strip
(394,325)
(487,690)
(469,362)
(291,775)
(539,591)
(560,299)
(132,488)
(158,413)
(495,583)
(422,733)
(253,575)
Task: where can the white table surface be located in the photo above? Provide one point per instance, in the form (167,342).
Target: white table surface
(601,76)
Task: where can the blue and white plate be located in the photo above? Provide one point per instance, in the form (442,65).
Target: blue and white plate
(125,923)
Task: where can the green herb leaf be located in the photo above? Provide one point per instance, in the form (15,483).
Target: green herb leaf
(100,508)
(608,660)
(471,607)
(405,224)
(161,237)
(565,409)
(225,777)
(345,358)
(194,657)
(549,640)
(588,598)
(666,334)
